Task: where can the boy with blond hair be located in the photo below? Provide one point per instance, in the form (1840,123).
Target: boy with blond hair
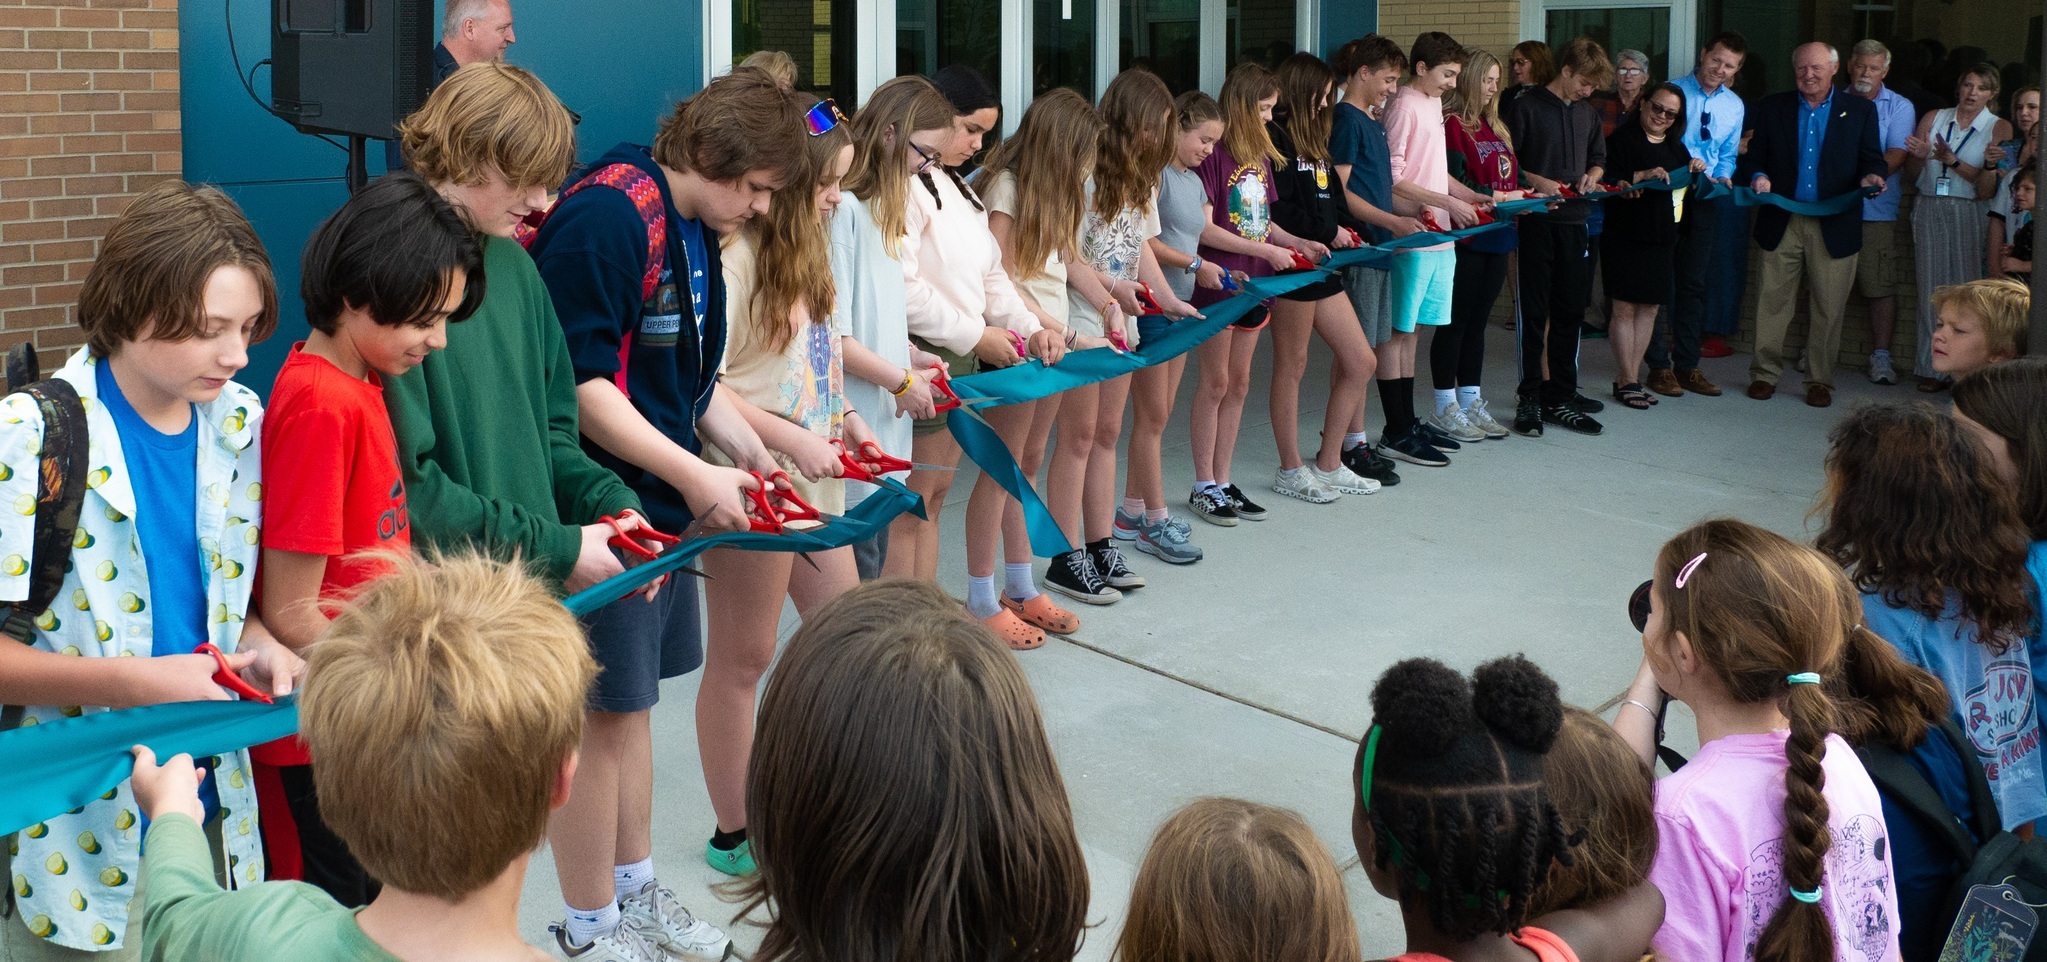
(443,708)
(1979,324)
(157,575)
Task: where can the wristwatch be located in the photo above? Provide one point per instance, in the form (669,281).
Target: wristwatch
(1194,266)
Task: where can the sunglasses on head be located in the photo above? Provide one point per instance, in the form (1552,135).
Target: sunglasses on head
(823,117)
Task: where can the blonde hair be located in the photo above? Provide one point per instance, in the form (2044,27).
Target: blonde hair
(1604,793)
(440,707)
(792,253)
(1228,880)
(1136,142)
(490,116)
(1050,156)
(2003,305)
(881,132)
(1244,134)
(150,277)
(777,63)
(1461,101)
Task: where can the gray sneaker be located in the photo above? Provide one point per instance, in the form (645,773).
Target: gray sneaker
(1304,485)
(1167,540)
(676,933)
(1451,421)
(1126,525)
(623,944)
(1482,419)
(1880,370)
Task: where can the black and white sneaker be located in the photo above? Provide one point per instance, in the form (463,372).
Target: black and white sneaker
(1436,437)
(1109,563)
(1247,509)
(1414,447)
(1585,405)
(1568,417)
(1365,462)
(1074,575)
(1213,506)
(1528,417)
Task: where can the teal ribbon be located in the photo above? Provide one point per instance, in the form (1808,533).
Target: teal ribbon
(60,766)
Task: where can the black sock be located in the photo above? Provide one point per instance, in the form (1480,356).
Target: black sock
(1389,401)
(727,841)
(1098,546)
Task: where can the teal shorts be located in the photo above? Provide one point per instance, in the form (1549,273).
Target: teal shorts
(1422,281)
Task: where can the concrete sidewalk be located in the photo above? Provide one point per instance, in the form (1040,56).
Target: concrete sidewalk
(1248,674)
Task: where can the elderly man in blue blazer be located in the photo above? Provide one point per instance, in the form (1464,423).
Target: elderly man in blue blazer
(1816,142)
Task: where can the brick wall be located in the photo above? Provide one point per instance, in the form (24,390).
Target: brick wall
(1492,25)
(88,117)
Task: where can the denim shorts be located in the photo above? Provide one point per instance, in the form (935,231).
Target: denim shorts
(637,643)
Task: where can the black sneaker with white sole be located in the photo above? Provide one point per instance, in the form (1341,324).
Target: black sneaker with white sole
(1413,447)
(1437,437)
(1109,563)
(1585,405)
(1247,509)
(1568,417)
(1367,463)
(1213,506)
(1074,575)
(1528,417)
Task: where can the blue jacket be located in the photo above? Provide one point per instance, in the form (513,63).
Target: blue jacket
(1851,152)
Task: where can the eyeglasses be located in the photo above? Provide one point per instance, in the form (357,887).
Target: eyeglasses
(1659,110)
(1630,71)
(823,117)
(930,159)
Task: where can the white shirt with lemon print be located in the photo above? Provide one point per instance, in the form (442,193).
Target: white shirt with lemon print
(73,876)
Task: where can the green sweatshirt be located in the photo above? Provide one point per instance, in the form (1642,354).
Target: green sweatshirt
(487,432)
(187,916)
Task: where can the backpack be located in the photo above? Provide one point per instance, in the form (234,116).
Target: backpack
(60,488)
(2002,857)
(646,197)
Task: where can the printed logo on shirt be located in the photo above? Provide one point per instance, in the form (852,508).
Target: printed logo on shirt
(394,520)
(1857,880)
(1999,716)
(1247,207)
(661,315)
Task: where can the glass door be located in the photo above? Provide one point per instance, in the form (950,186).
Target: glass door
(817,34)
(1663,29)
(1164,37)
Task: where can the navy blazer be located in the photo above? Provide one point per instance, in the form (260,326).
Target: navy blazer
(1851,152)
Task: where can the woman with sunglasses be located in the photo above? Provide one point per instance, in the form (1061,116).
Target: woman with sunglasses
(1642,230)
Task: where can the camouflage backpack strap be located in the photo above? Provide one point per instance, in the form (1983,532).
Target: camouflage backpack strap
(60,495)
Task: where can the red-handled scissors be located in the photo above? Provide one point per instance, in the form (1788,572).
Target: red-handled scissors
(773,507)
(868,462)
(1355,240)
(1146,300)
(1121,342)
(226,678)
(634,541)
(1429,221)
(1302,263)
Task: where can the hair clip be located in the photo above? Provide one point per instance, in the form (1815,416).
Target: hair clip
(1809,898)
(1684,574)
(1803,678)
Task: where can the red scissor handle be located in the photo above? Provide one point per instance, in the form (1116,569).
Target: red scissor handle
(1355,240)
(1146,300)
(228,679)
(868,462)
(1429,221)
(772,508)
(1017,341)
(1302,263)
(1485,216)
(1566,191)
(942,384)
(634,541)
(1122,343)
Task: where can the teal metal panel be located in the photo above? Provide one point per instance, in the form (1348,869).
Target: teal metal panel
(1346,20)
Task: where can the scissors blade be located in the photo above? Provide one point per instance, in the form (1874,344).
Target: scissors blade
(916,466)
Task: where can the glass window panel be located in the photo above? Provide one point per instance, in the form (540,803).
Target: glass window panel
(817,34)
(1618,28)
(932,34)
(1064,33)
(1260,30)
(1164,37)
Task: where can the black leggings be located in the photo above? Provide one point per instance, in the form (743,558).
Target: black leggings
(328,863)
(1457,352)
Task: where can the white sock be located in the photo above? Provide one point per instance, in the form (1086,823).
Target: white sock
(1019,581)
(1200,486)
(1467,396)
(1290,472)
(585,925)
(981,601)
(1445,399)
(630,879)
(1352,439)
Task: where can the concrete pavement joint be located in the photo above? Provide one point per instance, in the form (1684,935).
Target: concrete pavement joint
(1162,673)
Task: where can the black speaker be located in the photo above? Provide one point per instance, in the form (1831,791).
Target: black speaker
(350,66)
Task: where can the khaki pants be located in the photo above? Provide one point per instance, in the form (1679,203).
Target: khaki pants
(1801,256)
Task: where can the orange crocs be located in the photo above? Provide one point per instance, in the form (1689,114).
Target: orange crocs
(1013,631)
(1043,612)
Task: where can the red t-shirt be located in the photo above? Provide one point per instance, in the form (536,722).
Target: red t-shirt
(330,483)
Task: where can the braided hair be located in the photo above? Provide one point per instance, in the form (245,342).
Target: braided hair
(1457,809)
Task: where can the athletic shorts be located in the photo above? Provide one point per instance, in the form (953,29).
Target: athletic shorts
(1422,281)
(1371,294)
(637,643)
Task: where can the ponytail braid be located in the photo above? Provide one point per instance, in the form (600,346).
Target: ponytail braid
(1801,930)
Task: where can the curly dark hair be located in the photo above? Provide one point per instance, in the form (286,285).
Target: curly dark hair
(1915,510)
(1458,810)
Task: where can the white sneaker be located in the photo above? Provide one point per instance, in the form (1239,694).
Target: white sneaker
(676,934)
(1880,370)
(1451,421)
(1482,419)
(1304,485)
(622,944)
(1345,480)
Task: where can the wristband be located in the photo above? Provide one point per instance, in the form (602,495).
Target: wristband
(904,388)
(1194,266)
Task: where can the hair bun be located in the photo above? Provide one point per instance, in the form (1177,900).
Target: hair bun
(1423,707)
(1519,702)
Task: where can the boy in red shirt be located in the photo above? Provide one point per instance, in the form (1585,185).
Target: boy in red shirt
(383,277)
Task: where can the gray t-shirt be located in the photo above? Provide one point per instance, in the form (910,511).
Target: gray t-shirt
(1180,221)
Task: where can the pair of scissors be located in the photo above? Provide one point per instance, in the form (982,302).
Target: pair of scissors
(1301,262)
(869,462)
(770,508)
(635,541)
(226,678)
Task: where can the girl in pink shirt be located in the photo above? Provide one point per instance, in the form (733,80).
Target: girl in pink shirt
(1773,845)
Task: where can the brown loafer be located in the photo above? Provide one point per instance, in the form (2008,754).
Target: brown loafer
(1695,381)
(1761,390)
(1819,395)
(1932,385)
(1664,382)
